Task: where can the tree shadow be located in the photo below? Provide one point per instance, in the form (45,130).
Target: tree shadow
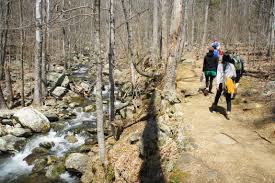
(151,170)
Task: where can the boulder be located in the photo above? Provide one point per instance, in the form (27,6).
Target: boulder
(55,79)
(269,88)
(55,170)
(11,143)
(39,165)
(90,108)
(71,138)
(32,119)
(51,117)
(3,131)
(77,162)
(37,153)
(59,92)
(7,122)
(47,145)
(66,82)
(20,132)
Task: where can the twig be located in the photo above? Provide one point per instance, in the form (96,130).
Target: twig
(230,137)
(263,137)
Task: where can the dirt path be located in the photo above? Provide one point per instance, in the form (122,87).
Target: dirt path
(225,150)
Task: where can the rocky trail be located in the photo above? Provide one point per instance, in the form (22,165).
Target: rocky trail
(234,150)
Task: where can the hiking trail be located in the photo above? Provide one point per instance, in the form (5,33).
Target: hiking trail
(224,150)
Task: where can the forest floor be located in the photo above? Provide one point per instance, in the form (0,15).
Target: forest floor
(241,149)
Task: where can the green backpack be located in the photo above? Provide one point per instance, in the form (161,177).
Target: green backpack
(237,62)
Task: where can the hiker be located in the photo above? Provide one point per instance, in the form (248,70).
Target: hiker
(238,62)
(209,69)
(216,44)
(225,72)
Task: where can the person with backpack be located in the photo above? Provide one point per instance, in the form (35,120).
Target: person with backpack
(210,64)
(225,72)
(216,44)
(238,62)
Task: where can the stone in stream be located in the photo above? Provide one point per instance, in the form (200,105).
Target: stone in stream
(39,165)
(20,132)
(32,119)
(76,162)
(51,117)
(54,170)
(47,145)
(3,131)
(11,143)
(71,138)
(37,153)
(7,122)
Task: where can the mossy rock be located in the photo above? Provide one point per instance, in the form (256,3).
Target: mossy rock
(55,170)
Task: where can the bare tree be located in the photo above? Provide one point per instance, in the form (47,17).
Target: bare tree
(37,98)
(22,33)
(193,21)
(175,41)
(155,41)
(204,37)
(4,24)
(164,29)
(111,65)
(99,104)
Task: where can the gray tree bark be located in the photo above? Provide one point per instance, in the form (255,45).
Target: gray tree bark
(99,104)
(37,99)
(193,22)
(111,66)
(155,41)
(205,33)
(164,29)
(175,41)
(22,33)
(4,24)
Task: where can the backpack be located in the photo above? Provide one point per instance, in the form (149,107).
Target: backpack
(237,62)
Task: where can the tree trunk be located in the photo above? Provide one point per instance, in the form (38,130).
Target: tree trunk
(185,22)
(3,104)
(46,21)
(193,22)
(99,104)
(130,44)
(272,30)
(22,33)
(8,82)
(111,67)
(174,47)
(37,99)
(164,29)
(155,41)
(4,23)
(205,23)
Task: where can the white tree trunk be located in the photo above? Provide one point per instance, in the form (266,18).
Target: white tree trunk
(193,22)
(155,41)
(99,104)
(37,99)
(22,33)
(205,33)
(130,41)
(111,66)
(175,41)
(164,29)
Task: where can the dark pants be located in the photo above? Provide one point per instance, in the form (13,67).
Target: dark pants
(209,82)
(227,97)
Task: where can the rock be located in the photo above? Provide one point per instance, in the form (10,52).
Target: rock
(52,159)
(3,145)
(7,122)
(55,170)
(74,104)
(134,138)
(37,153)
(3,131)
(18,125)
(269,88)
(20,132)
(33,119)
(47,145)
(65,82)
(90,108)
(76,162)
(59,92)
(85,148)
(6,114)
(39,165)
(55,79)
(51,117)
(91,141)
(86,87)
(12,143)
(50,102)
(71,138)
(57,126)
(165,129)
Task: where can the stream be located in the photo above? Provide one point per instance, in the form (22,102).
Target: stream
(15,168)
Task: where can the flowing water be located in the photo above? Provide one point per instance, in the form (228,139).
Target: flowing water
(15,169)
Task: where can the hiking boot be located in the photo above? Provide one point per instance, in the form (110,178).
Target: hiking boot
(228,114)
